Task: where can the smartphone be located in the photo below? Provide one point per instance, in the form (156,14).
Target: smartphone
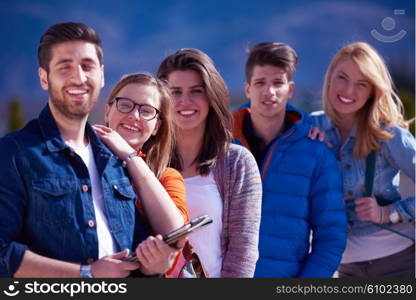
(172,237)
(187,228)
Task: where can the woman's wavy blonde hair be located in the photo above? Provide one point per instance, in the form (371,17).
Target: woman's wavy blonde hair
(383,110)
(158,148)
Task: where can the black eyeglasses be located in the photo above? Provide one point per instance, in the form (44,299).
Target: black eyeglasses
(126,105)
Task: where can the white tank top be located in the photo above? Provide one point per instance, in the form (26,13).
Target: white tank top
(378,244)
(203,197)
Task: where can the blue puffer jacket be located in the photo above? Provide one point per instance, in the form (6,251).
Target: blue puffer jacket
(302,194)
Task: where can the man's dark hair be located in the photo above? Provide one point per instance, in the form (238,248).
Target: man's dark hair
(64,32)
(276,54)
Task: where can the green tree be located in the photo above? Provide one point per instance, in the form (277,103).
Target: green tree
(16,120)
(409,109)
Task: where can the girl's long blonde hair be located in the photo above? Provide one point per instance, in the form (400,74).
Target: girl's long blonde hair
(157,148)
(383,110)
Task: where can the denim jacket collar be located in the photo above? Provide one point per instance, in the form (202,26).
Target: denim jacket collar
(350,138)
(50,131)
(52,136)
(102,154)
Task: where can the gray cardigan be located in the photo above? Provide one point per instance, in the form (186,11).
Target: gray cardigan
(239,182)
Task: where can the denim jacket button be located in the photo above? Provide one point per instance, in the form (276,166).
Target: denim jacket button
(72,154)
(91,223)
(84,188)
(349,193)
(115,187)
(90,260)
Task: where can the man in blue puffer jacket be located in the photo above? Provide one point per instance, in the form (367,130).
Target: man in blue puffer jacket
(302,189)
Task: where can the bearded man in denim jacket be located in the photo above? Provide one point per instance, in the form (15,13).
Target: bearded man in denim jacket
(66,205)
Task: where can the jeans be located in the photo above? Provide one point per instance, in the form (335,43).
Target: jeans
(398,265)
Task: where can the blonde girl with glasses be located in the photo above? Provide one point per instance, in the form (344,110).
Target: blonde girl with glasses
(138,117)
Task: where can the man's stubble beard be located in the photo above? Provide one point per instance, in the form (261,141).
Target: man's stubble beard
(70,109)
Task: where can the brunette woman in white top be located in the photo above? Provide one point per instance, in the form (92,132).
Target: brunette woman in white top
(222,180)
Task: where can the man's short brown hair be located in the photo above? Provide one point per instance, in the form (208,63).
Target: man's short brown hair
(64,32)
(276,54)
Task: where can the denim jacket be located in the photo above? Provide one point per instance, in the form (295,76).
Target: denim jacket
(396,154)
(45,197)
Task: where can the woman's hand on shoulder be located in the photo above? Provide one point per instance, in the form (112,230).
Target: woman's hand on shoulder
(113,140)
(315,133)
